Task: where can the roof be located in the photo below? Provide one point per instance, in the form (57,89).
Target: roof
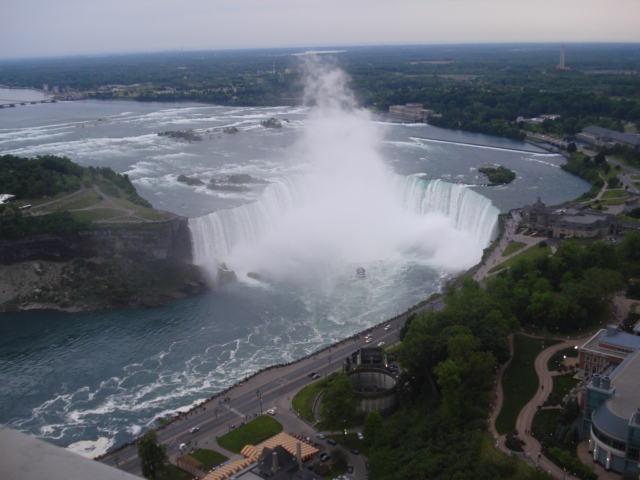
(618,136)
(27,458)
(614,415)
(619,339)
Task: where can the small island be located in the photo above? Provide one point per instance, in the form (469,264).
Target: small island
(498,176)
(271,123)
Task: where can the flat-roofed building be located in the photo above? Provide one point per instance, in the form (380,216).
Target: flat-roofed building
(603,137)
(607,347)
(412,112)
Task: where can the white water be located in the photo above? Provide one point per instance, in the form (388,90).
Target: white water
(349,209)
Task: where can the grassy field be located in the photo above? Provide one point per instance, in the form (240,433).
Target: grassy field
(305,398)
(513,247)
(520,381)
(617,193)
(252,433)
(208,458)
(535,251)
(97,214)
(563,384)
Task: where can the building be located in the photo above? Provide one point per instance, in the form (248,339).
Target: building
(607,348)
(412,112)
(603,137)
(564,222)
(611,418)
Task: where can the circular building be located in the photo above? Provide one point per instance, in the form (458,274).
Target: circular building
(376,390)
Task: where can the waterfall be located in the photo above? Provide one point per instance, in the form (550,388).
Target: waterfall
(471,212)
(423,212)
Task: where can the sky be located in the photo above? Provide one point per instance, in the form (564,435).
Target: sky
(43,28)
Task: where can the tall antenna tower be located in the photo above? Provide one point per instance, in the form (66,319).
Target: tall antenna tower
(561,66)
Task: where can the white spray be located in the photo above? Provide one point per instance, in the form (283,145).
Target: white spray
(350,210)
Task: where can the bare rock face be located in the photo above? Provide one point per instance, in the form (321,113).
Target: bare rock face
(143,265)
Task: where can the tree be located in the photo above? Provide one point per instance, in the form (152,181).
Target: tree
(372,427)
(153,455)
(599,159)
(339,403)
(571,147)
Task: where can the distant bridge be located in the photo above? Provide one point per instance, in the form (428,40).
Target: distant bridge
(16,103)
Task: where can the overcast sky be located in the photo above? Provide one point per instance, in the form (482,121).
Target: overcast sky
(36,28)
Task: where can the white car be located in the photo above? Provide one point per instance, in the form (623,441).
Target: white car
(381,344)
(360,436)
(271,411)
(387,327)
(368,340)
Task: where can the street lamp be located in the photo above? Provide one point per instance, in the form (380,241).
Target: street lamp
(259,395)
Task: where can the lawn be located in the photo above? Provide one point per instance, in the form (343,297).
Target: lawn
(305,398)
(208,458)
(513,247)
(563,384)
(520,381)
(97,214)
(535,251)
(618,193)
(252,433)
(556,360)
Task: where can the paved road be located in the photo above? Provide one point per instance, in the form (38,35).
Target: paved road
(271,388)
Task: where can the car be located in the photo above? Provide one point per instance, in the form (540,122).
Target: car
(271,411)
(320,436)
(350,469)
(387,327)
(360,436)
(381,344)
(324,456)
(316,376)
(194,429)
(312,374)
(331,441)
(354,451)
(368,340)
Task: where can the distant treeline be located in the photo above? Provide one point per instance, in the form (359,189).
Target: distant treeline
(478,88)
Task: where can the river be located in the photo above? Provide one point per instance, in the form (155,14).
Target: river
(104,377)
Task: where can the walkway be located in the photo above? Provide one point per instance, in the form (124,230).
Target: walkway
(532,450)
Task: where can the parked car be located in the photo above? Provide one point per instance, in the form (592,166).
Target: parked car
(350,469)
(324,456)
(360,436)
(354,451)
(320,436)
(331,441)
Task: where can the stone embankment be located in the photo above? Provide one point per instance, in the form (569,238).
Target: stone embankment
(137,265)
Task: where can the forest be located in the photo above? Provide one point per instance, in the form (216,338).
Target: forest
(479,88)
(449,357)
